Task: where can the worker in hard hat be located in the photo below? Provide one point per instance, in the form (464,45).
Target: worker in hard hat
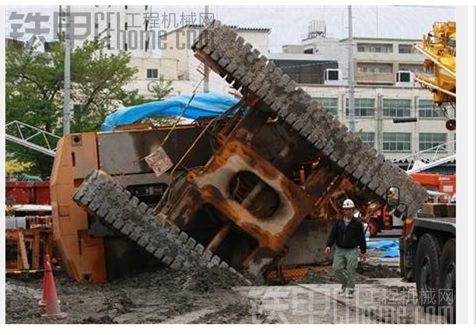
(348,236)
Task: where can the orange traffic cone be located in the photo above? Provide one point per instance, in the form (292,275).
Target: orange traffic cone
(44,294)
(42,301)
(50,297)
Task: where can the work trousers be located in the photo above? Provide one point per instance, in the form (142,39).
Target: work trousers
(345,266)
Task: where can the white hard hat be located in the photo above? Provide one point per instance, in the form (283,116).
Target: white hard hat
(348,204)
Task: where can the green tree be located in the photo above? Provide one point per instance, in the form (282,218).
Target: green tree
(162,88)
(34,90)
(14,167)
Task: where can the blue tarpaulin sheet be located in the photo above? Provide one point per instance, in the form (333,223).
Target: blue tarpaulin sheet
(382,245)
(389,248)
(391,253)
(202,105)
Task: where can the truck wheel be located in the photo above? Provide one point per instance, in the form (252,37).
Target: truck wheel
(427,271)
(448,280)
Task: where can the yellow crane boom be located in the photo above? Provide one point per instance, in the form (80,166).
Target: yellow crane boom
(439,48)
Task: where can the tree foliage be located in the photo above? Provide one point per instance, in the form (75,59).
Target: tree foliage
(14,167)
(162,88)
(34,90)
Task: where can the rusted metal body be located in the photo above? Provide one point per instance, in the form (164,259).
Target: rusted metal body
(258,189)
(248,202)
(229,194)
(89,250)
(293,273)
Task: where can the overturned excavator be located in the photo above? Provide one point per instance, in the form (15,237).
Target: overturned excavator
(254,189)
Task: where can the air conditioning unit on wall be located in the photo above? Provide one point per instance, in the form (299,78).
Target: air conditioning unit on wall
(333,77)
(405,79)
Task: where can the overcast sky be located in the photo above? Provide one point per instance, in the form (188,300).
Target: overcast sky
(289,24)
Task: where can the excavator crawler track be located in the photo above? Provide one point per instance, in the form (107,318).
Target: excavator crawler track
(276,93)
(103,197)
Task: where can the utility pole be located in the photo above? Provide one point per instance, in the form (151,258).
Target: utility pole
(206,80)
(351,74)
(67,73)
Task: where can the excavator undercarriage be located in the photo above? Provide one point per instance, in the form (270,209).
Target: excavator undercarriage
(256,189)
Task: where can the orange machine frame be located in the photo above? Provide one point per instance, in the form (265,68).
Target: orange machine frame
(83,256)
(439,182)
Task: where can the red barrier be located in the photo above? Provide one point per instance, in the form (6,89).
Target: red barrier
(25,192)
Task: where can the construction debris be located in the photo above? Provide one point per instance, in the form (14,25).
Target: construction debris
(124,213)
(282,161)
(278,166)
(234,59)
(365,274)
(186,296)
(163,296)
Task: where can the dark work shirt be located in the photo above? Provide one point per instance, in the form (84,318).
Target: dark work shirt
(348,237)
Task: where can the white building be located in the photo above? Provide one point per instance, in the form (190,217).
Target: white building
(376,60)
(125,28)
(378,98)
(375,111)
(155,53)
(177,46)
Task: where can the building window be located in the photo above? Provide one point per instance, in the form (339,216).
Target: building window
(152,73)
(374,68)
(367,138)
(397,142)
(431,140)
(405,49)
(396,108)
(415,68)
(374,47)
(329,104)
(427,109)
(362,107)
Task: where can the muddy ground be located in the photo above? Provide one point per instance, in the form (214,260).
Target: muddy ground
(385,301)
(366,274)
(162,296)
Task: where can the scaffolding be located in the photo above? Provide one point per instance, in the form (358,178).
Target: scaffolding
(31,137)
(429,158)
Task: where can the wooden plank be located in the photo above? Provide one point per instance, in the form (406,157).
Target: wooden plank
(36,250)
(23,254)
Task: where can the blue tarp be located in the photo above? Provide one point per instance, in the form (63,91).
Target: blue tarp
(389,249)
(391,253)
(382,245)
(202,105)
